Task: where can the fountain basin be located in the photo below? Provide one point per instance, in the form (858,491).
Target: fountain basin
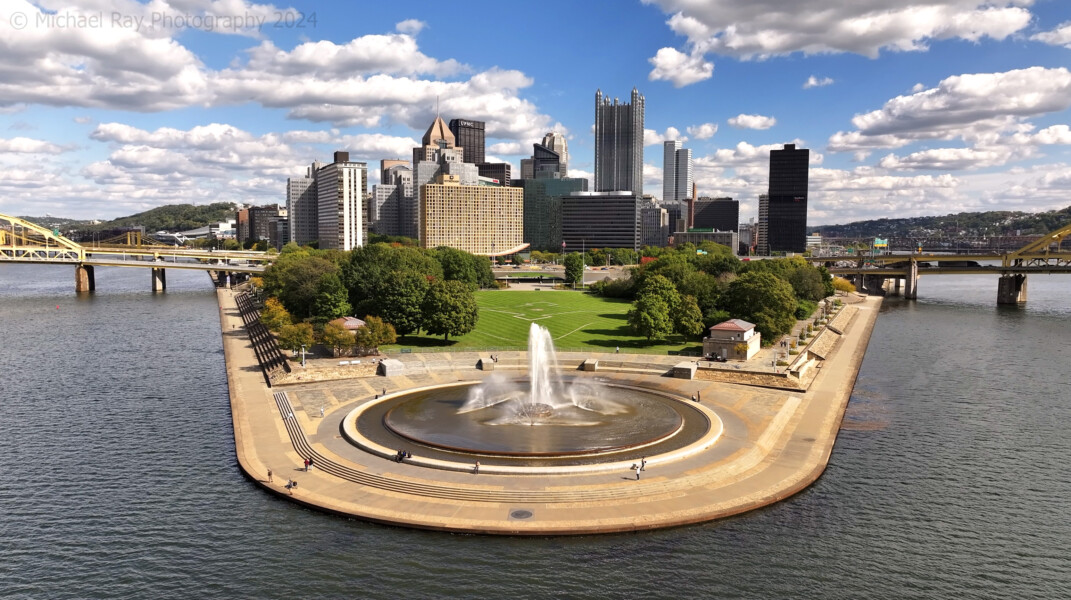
(625,419)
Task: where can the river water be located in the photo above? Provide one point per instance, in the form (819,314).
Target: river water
(118,479)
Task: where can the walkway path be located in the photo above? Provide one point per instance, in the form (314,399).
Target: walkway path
(774,444)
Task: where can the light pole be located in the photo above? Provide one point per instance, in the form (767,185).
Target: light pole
(303,356)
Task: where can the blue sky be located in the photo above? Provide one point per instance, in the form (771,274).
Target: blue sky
(909,107)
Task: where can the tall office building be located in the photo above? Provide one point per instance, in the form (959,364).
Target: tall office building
(676,173)
(302,207)
(388,197)
(469,135)
(555,142)
(619,144)
(340,193)
(721,214)
(654,226)
(503,172)
(787,216)
(436,155)
(542,209)
(762,245)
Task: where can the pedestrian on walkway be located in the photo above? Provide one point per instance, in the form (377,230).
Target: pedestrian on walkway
(643,463)
(476,469)
(290,485)
(269,475)
(698,396)
(321,411)
(617,350)
(384,391)
(637,474)
(310,465)
(306,465)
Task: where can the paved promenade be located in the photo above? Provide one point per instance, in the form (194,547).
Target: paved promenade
(774,443)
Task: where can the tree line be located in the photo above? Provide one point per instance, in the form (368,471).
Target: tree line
(397,290)
(688,289)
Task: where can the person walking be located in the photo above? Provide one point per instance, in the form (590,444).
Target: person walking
(306,465)
(321,411)
(637,473)
(309,468)
(476,469)
(269,475)
(643,463)
(290,486)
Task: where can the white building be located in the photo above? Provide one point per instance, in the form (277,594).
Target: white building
(340,193)
(302,207)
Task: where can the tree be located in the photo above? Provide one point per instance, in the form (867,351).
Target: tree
(807,283)
(624,256)
(687,318)
(843,285)
(596,256)
(763,299)
(293,337)
(375,333)
(337,337)
(403,299)
(294,278)
(449,309)
(331,298)
(574,268)
(650,314)
(458,265)
(369,267)
(274,316)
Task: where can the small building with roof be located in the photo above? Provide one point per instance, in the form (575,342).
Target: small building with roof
(350,323)
(735,339)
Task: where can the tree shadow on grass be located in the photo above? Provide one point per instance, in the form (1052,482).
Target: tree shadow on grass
(618,316)
(416,341)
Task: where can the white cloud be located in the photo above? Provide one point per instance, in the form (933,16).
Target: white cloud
(508,148)
(392,53)
(652,137)
(765,29)
(947,159)
(22,145)
(678,68)
(704,131)
(743,121)
(411,26)
(1061,36)
(813,82)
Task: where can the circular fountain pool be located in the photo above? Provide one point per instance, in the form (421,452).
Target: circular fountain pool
(604,419)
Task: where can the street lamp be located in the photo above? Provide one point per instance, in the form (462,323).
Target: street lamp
(303,356)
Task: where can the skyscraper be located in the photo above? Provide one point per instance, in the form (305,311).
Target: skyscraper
(676,180)
(469,135)
(787,217)
(556,142)
(619,144)
(340,195)
(762,235)
(302,207)
(721,214)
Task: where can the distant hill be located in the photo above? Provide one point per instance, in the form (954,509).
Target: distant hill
(172,218)
(993,223)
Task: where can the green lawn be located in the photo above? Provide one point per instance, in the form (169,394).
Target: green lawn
(576,321)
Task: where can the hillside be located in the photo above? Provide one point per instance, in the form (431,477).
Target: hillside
(172,218)
(993,223)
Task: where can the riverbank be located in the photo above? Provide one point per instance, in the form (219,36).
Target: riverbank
(774,443)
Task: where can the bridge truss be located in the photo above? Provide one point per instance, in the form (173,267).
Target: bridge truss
(23,241)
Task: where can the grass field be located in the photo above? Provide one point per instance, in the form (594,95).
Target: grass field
(576,321)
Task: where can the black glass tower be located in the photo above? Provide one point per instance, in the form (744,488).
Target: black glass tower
(787,217)
(469,135)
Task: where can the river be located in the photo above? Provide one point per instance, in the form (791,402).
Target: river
(949,478)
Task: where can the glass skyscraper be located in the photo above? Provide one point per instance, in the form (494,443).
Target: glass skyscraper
(786,225)
(619,144)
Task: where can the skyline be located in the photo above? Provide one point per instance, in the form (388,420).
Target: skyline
(908,108)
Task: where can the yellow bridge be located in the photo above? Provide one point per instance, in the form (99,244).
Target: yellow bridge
(1043,256)
(25,242)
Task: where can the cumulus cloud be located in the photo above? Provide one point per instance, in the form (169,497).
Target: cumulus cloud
(813,82)
(703,131)
(763,29)
(411,26)
(1061,36)
(508,148)
(22,145)
(679,68)
(652,137)
(743,121)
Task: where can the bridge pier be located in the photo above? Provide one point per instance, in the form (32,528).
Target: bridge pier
(1011,289)
(159,279)
(84,279)
(911,282)
(896,286)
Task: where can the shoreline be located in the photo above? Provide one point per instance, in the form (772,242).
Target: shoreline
(777,443)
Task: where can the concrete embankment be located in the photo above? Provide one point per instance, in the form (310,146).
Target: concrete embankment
(774,443)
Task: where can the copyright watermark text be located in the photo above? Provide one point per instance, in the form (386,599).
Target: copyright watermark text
(163,21)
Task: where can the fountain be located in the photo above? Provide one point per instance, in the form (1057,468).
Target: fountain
(539,417)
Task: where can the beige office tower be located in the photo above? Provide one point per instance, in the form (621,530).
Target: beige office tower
(556,142)
(481,219)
